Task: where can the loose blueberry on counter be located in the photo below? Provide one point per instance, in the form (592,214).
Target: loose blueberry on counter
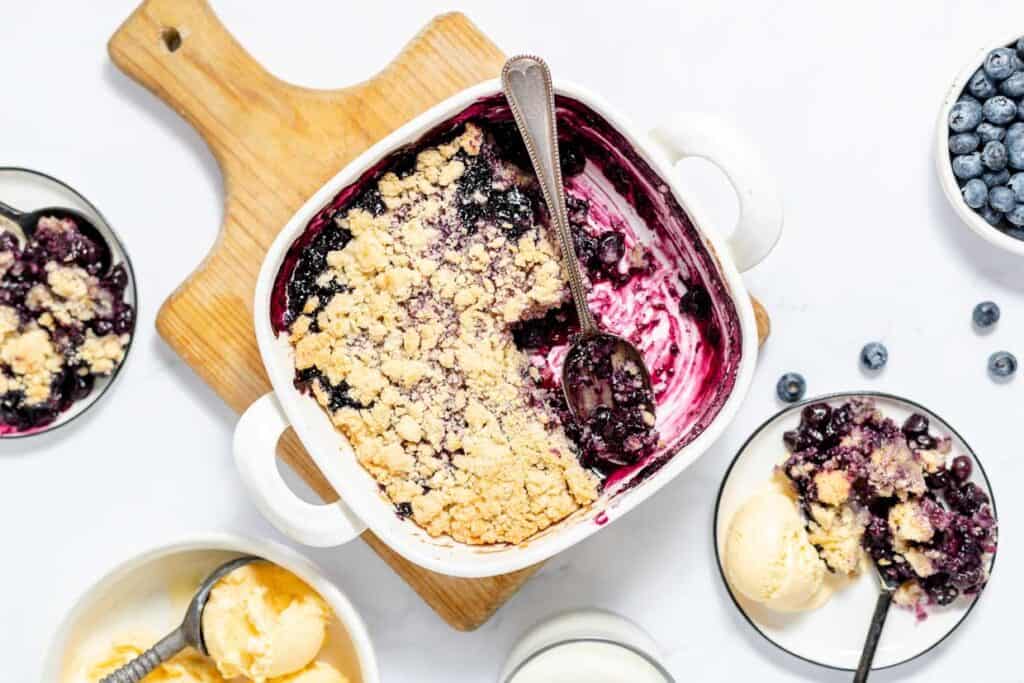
(975,193)
(999,110)
(986,314)
(1001,198)
(993,156)
(986,132)
(874,356)
(965,115)
(999,63)
(1002,364)
(980,85)
(994,178)
(964,143)
(791,387)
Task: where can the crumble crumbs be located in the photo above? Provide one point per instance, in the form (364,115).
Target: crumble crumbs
(414,358)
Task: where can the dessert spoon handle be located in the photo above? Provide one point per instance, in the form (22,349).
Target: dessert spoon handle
(140,667)
(867,656)
(526,81)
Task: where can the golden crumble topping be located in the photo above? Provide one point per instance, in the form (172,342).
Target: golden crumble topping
(439,405)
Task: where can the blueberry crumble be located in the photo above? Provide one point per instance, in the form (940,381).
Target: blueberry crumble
(430,317)
(63,322)
(868,484)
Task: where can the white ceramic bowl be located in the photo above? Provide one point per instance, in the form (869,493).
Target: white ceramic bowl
(947,180)
(257,432)
(159,581)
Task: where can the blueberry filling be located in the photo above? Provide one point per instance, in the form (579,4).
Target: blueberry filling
(923,522)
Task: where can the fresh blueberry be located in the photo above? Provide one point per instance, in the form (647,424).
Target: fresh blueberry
(970,166)
(994,156)
(874,356)
(986,314)
(965,116)
(791,387)
(964,97)
(981,86)
(1014,132)
(999,63)
(967,166)
(975,193)
(1015,233)
(988,132)
(996,178)
(1015,153)
(1016,183)
(1014,85)
(991,216)
(999,109)
(1001,199)
(1002,364)
(963,143)
(1016,216)
(961,469)
(1020,47)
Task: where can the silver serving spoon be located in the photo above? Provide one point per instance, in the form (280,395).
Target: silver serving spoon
(867,655)
(28,220)
(189,634)
(526,81)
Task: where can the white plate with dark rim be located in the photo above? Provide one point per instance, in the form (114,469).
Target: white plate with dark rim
(833,635)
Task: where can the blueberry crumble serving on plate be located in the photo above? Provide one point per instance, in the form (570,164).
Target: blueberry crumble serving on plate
(867,484)
(63,322)
(429,315)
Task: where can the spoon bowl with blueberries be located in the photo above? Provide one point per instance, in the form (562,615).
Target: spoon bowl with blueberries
(980,146)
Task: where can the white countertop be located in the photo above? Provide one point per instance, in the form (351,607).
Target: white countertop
(841,100)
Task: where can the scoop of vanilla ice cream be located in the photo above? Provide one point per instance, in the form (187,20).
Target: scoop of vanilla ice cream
(187,667)
(262,622)
(317,672)
(769,559)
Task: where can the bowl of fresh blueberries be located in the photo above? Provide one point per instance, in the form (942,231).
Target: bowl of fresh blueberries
(980,145)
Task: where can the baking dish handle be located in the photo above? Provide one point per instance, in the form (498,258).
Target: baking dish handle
(760,222)
(255,447)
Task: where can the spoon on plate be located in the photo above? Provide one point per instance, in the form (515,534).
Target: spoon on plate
(189,634)
(867,655)
(599,366)
(27,221)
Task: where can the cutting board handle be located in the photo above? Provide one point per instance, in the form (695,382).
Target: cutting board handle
(180,50)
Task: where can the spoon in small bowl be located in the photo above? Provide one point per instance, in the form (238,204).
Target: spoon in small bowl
(599,365)
(27,221)
(189,634)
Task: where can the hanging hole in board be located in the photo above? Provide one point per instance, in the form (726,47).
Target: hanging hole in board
(171,38)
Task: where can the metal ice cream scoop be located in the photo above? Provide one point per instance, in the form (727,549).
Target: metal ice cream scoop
(526,81)
(189,634)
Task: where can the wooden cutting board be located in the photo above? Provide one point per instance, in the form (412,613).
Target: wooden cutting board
(276,144)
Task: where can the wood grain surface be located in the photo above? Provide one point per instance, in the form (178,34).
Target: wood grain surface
(276,144)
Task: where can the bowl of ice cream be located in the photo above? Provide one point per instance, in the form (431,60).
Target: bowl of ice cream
(278,619)
(413,319)
(829,486)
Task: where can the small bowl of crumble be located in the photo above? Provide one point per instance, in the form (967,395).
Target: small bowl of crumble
(67,304)
(829,486)
(414,318)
